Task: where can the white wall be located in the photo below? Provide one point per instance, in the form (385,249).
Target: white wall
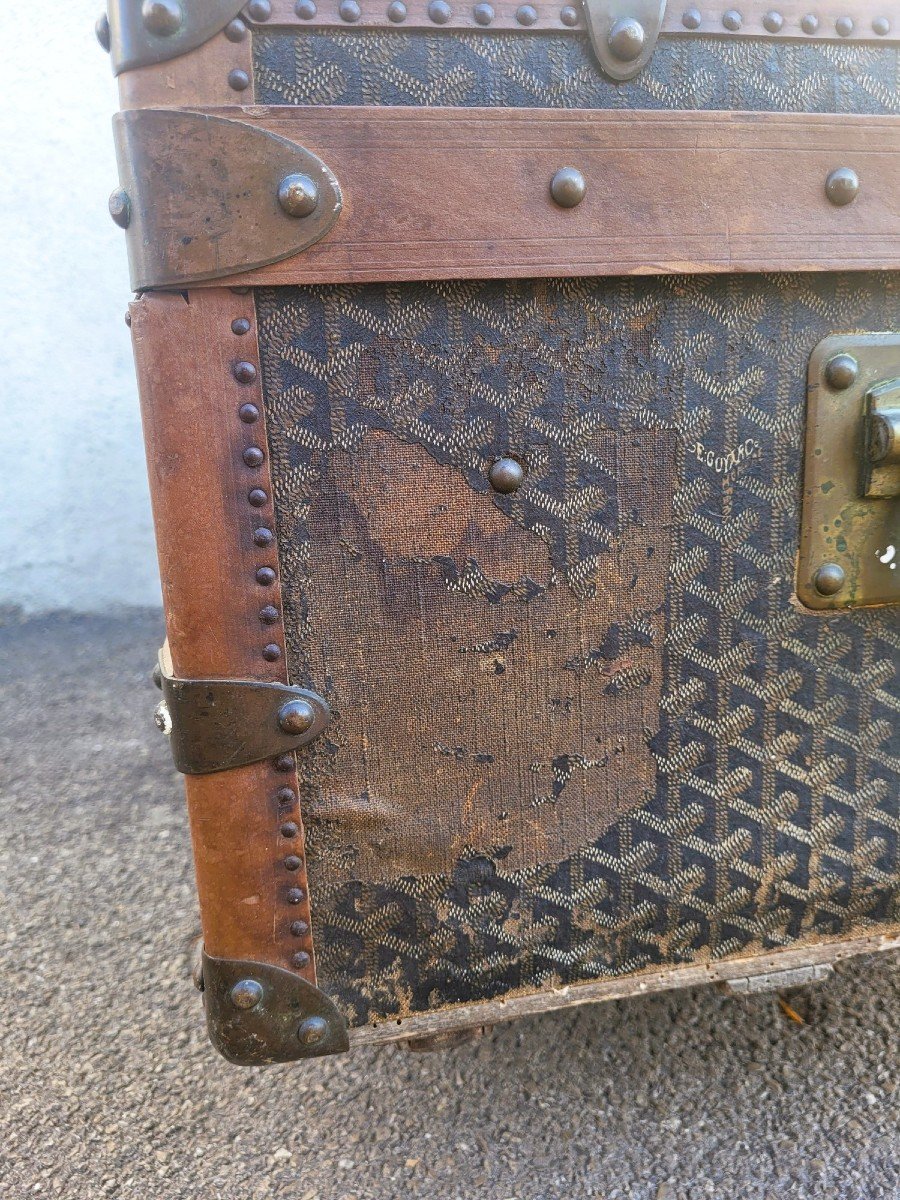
(75,526)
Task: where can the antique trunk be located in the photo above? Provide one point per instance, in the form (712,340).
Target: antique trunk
(521,389)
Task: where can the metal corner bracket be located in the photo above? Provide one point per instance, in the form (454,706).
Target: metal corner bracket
(623,33)
(216,724)
(202,197)
(257,1013)
(141,34)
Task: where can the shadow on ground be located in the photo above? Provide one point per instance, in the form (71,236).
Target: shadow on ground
(109,1087)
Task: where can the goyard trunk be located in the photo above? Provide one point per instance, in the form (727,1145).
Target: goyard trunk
(521,390)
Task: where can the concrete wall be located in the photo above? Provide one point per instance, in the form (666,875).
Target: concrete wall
(75,526)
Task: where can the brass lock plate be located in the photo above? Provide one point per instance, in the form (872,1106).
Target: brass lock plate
(850,531)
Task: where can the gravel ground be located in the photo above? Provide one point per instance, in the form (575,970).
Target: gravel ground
(109,1087)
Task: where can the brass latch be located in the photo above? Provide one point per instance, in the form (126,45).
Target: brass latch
(850,533)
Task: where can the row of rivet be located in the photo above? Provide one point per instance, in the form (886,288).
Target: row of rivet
(253,457)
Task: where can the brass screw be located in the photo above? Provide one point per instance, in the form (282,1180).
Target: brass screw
(829,579)
(296,717)
(842,186)
(298,195)
(841,371)
(246,993)
(567,187)
(626,39)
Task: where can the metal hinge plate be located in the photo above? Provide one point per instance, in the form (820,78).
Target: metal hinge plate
(202,197)
(850,528)
(623,33)
(216,724)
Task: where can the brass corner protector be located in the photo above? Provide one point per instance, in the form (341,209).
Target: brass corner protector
(203,197)
(217,724)
(623,33)
(257,1013)
(850,526)
(138,33)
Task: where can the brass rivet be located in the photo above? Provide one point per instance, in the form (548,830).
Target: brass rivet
(246,993)
(881,26)
(810,23)
(238,80)
(396,12)
(235,30)
(240,326)
(253,456)
(271,653)
(299,928)
(349,11)
(290,830)
(842,186)
(286,796)
(284,763)
(568,15)
(244,372)
(773,22)
(259,10)
(626,39)
(506,475)
(567,187)
(248,413)
(101,28)
(526,14)
(292,863)
(263,537)
(312,1030)
(692,18)
(305,9)
(269,614)
(300,959)
(440,11)
(843,26)
(829,579)
(298,195)
(732,20)
(257,497)
(884,438)
(265,576)
(162,17)
(120,208)
(483,14)
(295,895)
(296,717)
(841,371)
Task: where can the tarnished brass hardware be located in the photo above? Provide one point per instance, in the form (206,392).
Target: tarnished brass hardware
(567,187)
(208,196)
(842,186)
(257,1013)
(142,32)
(850,531)
(216,724)
(623,33)
(506,475)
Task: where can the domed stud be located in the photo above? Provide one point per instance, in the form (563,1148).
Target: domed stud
(773,22)
(349,11)
(844,26)
(881,26)
(101,29)
(841,372)
(162,18)
(235,30)
(567,187)
(298,195)
(238,80)
(312,1030)
(440,12)
(829,579)
(246,993)
(259,10)
(626,39)
(842,186)
(120,208)
(296,717)
(483,14)
(568,14)
(305,9)
(526,14)
(732,20)
(692,18)
(810,23)
(396,12)
(506,475)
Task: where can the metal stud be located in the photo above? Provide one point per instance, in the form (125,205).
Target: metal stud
(246,993)
(120,208)
(844,26)
(263,536)
(240,326)
(829,579)
(269,614)
(290,830)
(809,23)
(298,195)
(773,22)
(271,653)
(244,372)
(238,80)
(295,895)
(842,186)
(692,18)
(312,1030)
(296,718)
(293,863)
(881,26)
(396,12)
(253,456)
(101,29)
(732,20)
(286,796)
(248,413)
(567,187)
(568,15)
(626,39)
(305,9)
(284,763)
(841,372)
(440,12)
(265,576)
(235,30)
(349,11)
(299,928)
(526,14)
(300,959)
(259,10)
(506,475)
(162,18)
(483,14)
(257,497)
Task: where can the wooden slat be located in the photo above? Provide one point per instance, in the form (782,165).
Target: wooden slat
(464,193)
